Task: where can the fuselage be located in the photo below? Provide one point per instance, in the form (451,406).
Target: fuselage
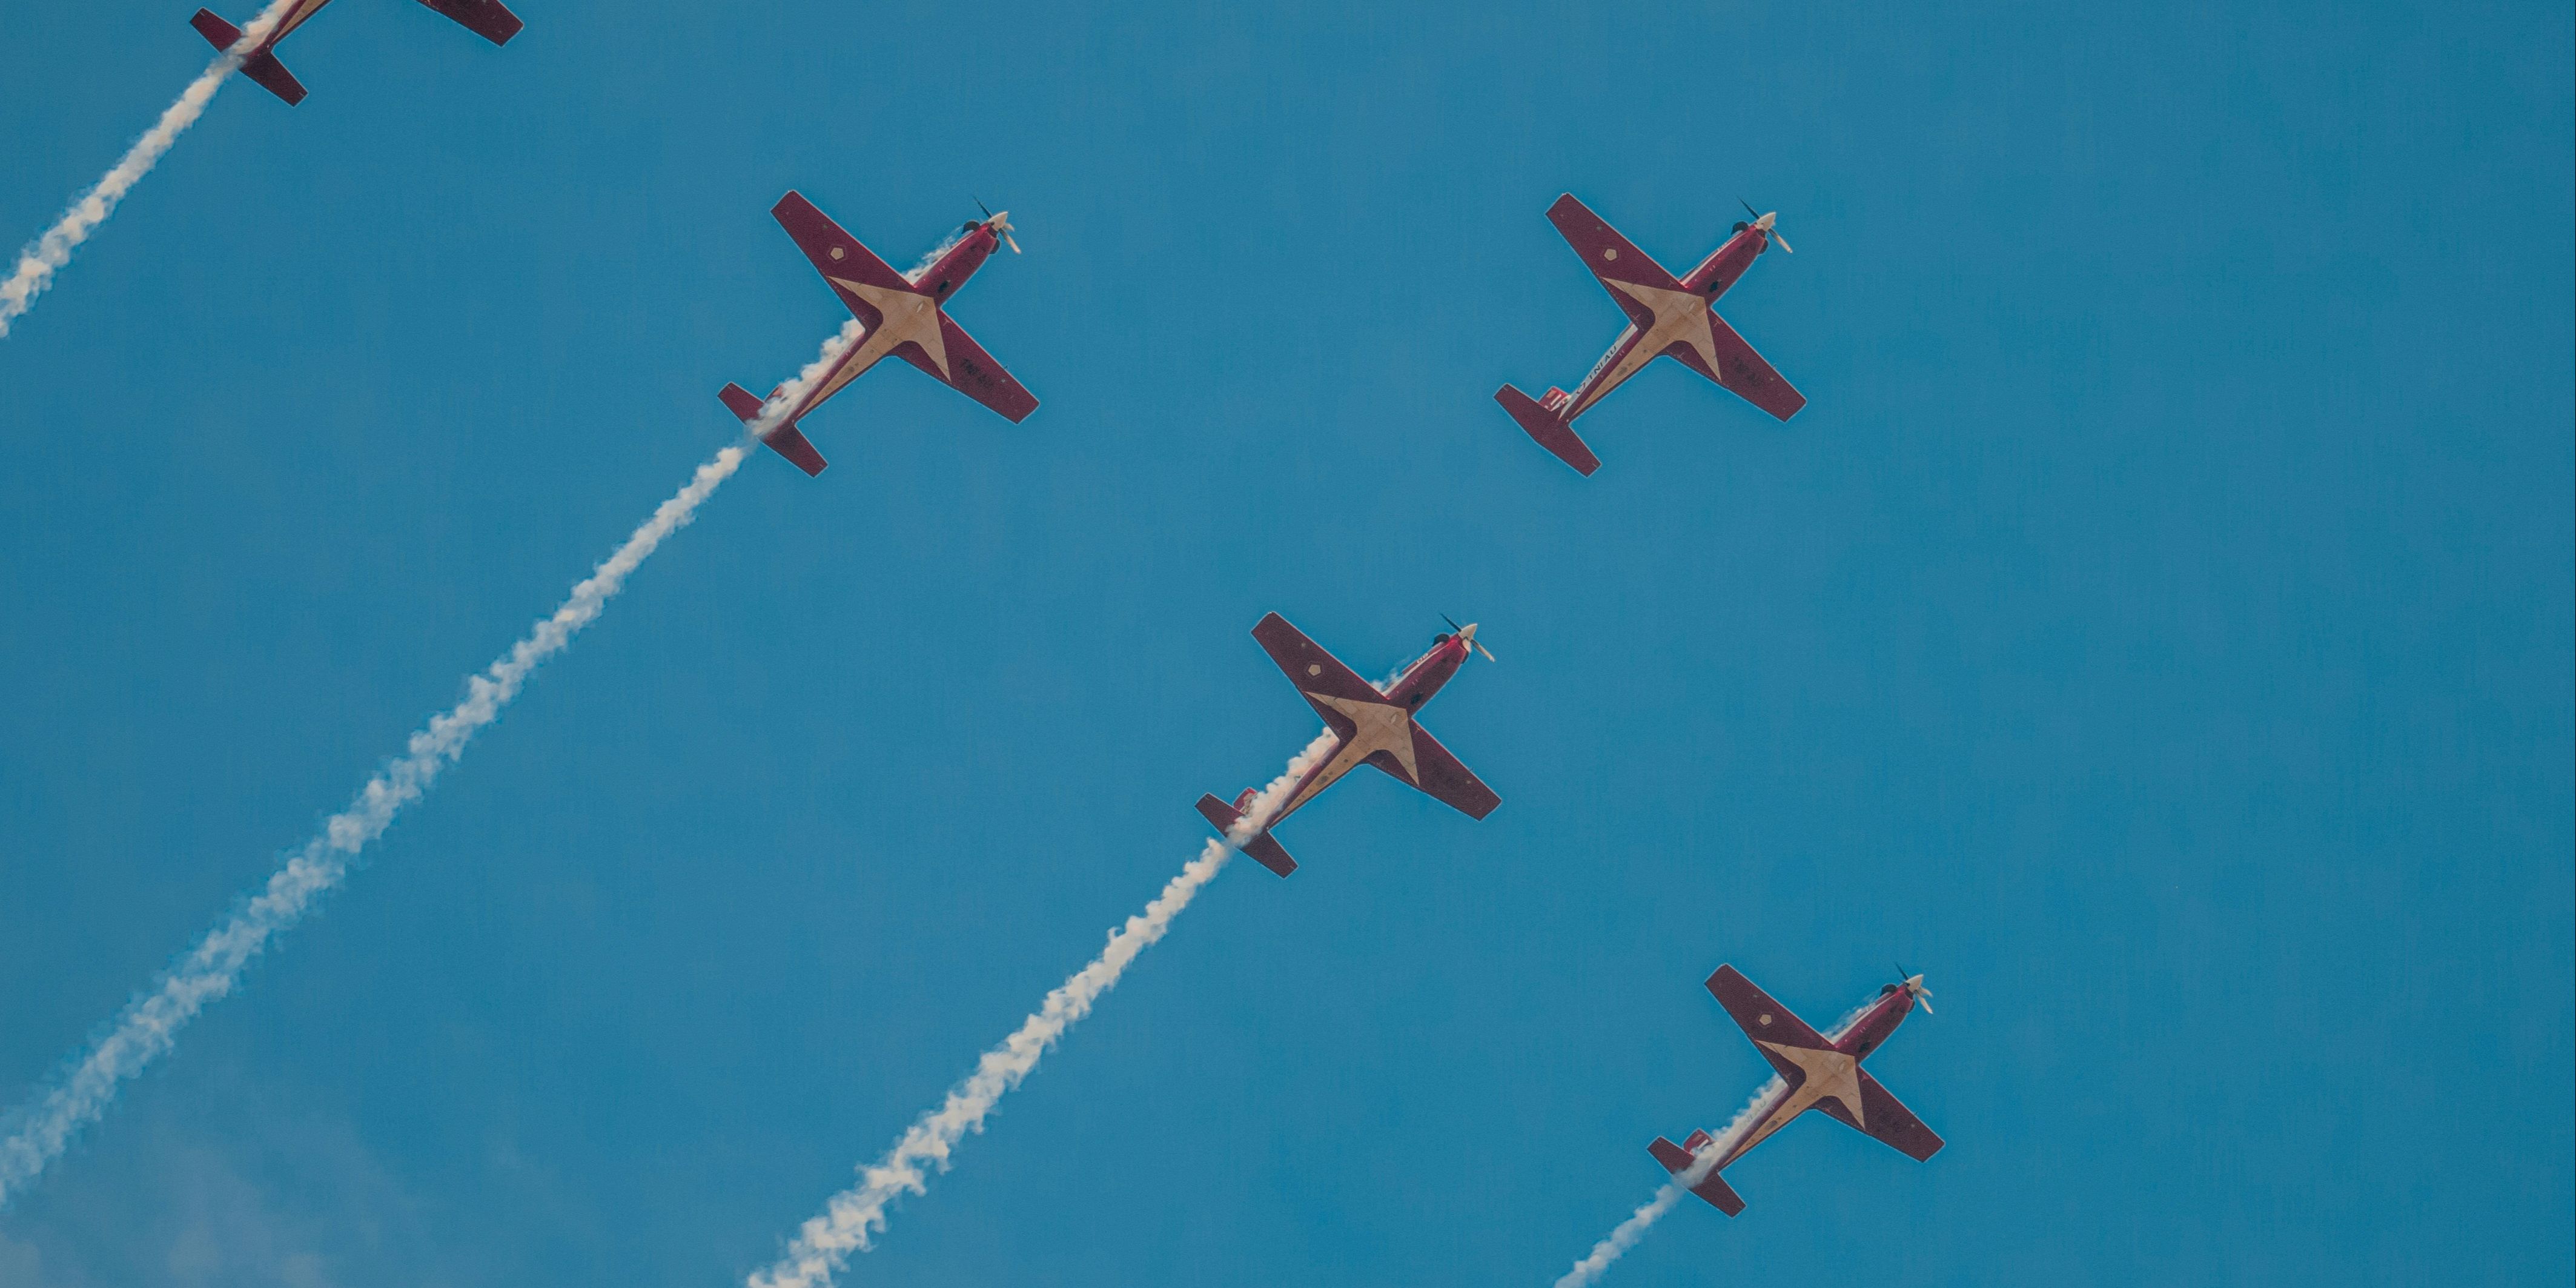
(1408,694)
(1857,1041)
(293,18)
(915,319)
(1712,279)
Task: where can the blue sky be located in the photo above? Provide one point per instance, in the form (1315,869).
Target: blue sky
(2157,630)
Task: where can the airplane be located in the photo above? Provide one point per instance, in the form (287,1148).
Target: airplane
(489,19)
(1816,1072)
(1371,726)
(1667,317)
(903,316)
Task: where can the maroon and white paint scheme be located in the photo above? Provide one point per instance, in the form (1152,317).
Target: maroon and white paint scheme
(1816,1073)
(1667,317)
(1371,726)
(904,316)
(489,19)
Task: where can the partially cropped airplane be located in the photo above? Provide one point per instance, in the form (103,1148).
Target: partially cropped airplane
(1371,726)
(1667,317)
(903,315)
(489,19)
(1816,1072)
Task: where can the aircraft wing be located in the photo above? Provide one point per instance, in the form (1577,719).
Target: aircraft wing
(1444,778)
(1890,1121)
(489,19)
(1741,371)
(1315,672)
(838,256)
(972,372)
(1610,256)
(1764,1020)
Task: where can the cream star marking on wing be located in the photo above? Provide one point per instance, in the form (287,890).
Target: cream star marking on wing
(1829,1073)
(901,316)
(1680,317)
(1378,726)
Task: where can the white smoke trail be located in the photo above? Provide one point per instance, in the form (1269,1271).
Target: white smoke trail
(850,1221)
(151,1022)
(1630,1231)
(40,1130)
(53,249)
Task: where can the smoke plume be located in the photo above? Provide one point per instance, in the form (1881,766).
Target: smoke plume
(53,248)
(40,1130)
(851,1220)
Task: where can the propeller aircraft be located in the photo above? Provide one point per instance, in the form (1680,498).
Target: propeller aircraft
(903,316)
(1816,1072)
(1372,726)
(489,19)
(1667,317)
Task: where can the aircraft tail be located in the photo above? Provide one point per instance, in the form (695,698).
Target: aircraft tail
(1543,425)
(1711,1187)
(1264,848)
(784,440)
(263,68)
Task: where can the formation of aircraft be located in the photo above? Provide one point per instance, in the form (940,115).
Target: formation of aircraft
(1816,1072)
(489,19)
(1371,726)
(904,314)
(1667,317)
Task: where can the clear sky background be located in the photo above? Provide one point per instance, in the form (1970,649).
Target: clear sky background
(2157,630)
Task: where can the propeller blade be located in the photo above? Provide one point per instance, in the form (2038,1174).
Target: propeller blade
(1748,208)
(979,205)
(1454,627)
(1784,242)
(1010,241)
(1924,1000)
(1489,653)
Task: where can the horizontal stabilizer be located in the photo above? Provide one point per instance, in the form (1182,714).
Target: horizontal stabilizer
(1551,433)
(489,19)
(271,75)
(784,440)
(1711,1187)
(219,33)
(1264,849)
(264,70)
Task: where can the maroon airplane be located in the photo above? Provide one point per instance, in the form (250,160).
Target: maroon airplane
(1666,318)
(1816,1072)
(1371,726)
(903,316)
(486,18)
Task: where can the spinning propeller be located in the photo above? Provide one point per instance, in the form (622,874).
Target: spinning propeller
(1000,224)
(1914,984)
(1767,224)
(1467,634)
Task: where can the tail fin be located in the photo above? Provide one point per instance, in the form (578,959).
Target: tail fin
(1711,1187)
(784,440)
(1264,849)
(1555,435)
(263,68)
